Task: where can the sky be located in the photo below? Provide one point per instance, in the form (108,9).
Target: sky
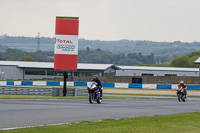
(152,20)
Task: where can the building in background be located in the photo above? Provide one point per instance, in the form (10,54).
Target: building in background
(17,70)
(197,61)
(156,71)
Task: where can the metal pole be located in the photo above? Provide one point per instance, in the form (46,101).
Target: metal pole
(199,70)
(65,84)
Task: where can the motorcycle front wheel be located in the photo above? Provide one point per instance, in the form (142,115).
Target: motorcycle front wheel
(91,98)
(179,97)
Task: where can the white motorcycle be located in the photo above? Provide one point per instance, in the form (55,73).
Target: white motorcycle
(94,93)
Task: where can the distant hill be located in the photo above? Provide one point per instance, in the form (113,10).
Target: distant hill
(170,49)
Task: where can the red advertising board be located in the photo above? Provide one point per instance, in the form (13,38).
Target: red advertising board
(66,43)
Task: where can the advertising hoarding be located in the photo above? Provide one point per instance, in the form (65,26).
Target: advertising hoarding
(66,43)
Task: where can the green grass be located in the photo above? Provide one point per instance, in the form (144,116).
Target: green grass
(149,94)
(140,94)
(70,97)
(125,89)
(39,97)
(176,123)
(103,88)
(107,88)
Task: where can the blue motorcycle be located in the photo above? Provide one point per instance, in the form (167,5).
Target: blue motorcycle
(94,93)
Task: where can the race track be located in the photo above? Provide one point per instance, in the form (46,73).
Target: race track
(22,113)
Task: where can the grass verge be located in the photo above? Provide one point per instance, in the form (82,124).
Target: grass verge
(148,94)
(70,97)
(139,94)
(39,97)
(148,124)
(103,87)
(107,88)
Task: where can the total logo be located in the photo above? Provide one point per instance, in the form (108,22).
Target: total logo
(63,41)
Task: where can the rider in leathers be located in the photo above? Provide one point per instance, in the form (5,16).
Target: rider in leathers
(182,84)
(99,85)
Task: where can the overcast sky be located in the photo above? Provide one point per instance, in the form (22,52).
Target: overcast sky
(154,20)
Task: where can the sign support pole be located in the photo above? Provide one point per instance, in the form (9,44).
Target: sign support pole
(65,84)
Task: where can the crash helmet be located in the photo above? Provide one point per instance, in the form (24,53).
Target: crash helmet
(181,82)
(95,78)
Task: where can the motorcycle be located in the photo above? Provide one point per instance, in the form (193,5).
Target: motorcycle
(181,94)
(94,93)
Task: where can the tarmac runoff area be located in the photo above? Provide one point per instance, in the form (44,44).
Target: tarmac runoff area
(22,113)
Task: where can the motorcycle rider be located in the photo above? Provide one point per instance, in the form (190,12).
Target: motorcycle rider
(99,85)
(183,86)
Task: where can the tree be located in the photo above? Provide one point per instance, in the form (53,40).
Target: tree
(88,50)
(165,59)
(191,61)
(13,54)
(182,61)
(9,60)
(27,58)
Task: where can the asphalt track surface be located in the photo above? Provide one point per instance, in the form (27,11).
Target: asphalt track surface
(22,113)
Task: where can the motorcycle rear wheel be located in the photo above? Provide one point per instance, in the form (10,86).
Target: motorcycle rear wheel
(99,100)
(183,99)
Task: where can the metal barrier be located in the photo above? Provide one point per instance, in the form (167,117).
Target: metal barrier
(41,91)
(81,92)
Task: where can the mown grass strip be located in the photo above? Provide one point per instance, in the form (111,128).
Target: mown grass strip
(39,97)
(148,124)
(71,97)
(107,88)
(103,87)
(148,94)
(139,94)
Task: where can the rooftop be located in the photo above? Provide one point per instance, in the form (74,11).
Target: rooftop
(87,66)
(50,65)
(158,68)
(197,61)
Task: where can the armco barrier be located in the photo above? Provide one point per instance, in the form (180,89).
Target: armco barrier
(27,82)
(80,83)
(81,92)
(108,84)
(13,90)
(174,86)
(3,83)
(10,82)
(40,83)
(121,85)
(135,85)
(116,85)
(160,86)
(41,91)
(53,83)
(68,83)
(193,87)
(149,86)
(17,82)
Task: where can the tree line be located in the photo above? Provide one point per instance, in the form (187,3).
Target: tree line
(168,49)
(16,54)
(104,57)
(86,56)
(186,60)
